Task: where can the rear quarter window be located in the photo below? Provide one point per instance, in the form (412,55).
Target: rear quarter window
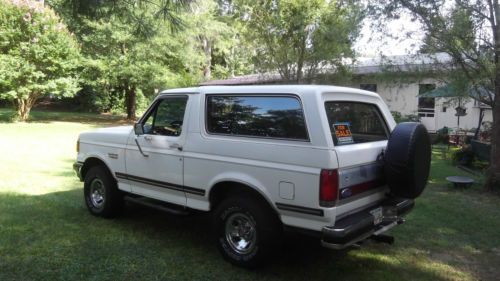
(355,122)
(278,117)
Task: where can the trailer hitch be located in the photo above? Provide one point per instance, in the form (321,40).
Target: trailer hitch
(383,238)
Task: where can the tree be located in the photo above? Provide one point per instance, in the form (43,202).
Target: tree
(127,64)
(128,45)
(210,33)
(299,38)
(469,31)
(217,30)
(38,56)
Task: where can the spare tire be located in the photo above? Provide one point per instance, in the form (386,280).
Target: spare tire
(407,160)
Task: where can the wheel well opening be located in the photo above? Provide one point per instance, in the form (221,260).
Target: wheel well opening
(91,162)
(225,189)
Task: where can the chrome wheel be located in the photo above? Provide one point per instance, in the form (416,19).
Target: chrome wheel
(241,233)
(97,195)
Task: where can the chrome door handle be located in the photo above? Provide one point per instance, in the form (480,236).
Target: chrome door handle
(140,149)
(148,138)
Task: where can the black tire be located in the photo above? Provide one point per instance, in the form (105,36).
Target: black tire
(266,225)
(407,160)
(100,183)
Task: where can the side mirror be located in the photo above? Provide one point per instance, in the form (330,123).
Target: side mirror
(138,129)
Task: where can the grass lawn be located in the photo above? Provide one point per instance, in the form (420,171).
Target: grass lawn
(47,234)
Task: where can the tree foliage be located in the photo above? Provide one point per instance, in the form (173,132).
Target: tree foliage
(124,64)
(139,47)
(299,38)
(130,47)
(217,31)
(38,56)
(133,48)
(467,30)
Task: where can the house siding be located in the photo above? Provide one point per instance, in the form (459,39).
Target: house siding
(403,98)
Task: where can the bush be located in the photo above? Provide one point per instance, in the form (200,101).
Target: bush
(442,136)
(463,156)
(89,100)
(485,134)
(398,117)
(117,106)
(38,55)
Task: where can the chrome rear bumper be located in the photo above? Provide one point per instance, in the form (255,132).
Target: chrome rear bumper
(361,225)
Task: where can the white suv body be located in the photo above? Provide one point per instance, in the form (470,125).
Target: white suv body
(227,138)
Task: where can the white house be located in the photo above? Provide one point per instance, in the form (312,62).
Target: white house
(399,80)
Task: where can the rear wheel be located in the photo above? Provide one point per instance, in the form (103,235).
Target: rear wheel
(246,230)
(101,193)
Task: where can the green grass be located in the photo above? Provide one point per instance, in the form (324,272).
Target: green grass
(47,234)
(44,116)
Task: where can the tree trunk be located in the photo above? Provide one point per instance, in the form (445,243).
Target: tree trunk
(299,72)
(231,64)
(481,116)
(300,62)
(493,176)
(207,67)
(23,106)
(131,102)
(23,110)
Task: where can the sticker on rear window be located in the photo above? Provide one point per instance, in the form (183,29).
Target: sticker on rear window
(343,133)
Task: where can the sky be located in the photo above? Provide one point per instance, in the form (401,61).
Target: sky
(373,43)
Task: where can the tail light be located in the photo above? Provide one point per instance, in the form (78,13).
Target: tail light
(78,146)
(328,188)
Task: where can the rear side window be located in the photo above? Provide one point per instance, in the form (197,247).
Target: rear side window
(256,116)
(352,122)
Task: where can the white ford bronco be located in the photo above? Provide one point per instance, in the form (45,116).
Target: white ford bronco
(324,160)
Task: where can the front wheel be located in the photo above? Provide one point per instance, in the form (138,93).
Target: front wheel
(101,193)
(246,231)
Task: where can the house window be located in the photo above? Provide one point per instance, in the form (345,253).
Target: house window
(426,105)
(368,87)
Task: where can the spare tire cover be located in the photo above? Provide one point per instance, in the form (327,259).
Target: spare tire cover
(407,160)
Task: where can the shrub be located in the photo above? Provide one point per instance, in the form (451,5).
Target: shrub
(485,134)
(398,117)
(38,55)
(463,156)
(442,135)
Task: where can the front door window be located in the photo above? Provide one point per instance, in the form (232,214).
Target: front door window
(167,117)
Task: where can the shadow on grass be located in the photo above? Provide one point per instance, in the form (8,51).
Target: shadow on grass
(41,116)
(67,171)
(52,236)
(6,115)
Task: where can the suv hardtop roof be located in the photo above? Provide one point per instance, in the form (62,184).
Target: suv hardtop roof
(268,89)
